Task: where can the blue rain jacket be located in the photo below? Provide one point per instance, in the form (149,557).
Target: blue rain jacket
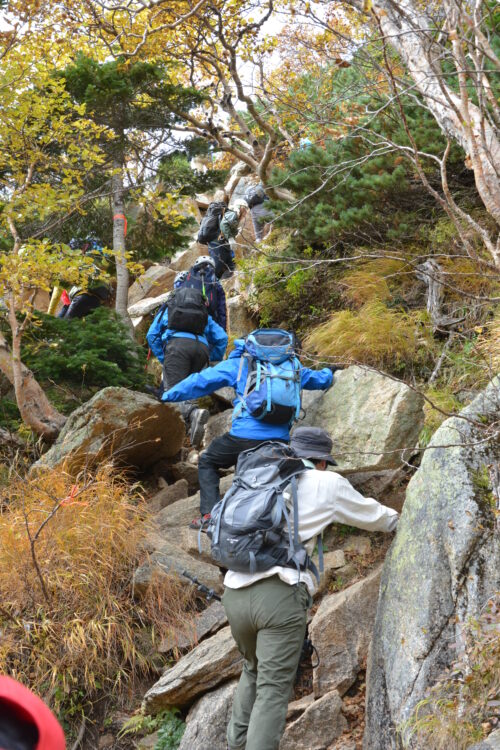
(159,334)
(226,374)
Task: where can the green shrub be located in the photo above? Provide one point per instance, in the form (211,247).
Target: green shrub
(93,351)
(171,731)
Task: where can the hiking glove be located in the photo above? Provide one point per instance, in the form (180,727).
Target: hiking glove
(334,368)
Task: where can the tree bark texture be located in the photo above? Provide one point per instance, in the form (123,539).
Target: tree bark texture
(35,408)
(119,247)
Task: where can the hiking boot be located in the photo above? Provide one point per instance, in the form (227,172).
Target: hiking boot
(197,422)
(201,523)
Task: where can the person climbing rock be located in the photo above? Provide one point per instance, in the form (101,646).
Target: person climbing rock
(262,216)
(268,379)
(202,276)
(184,337)
(223,256)
(267,610)
(84,301)
(26,723)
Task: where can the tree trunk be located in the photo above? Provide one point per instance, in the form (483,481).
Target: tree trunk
(35,408)
(119,224)
(408,29)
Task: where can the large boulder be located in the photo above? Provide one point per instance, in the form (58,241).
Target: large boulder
(321,723)
(184,260)
(153,282)
(443,566)
(370,417)
(240,319)
(207,622)
(132,428)
(147,305)
(206,722)
(182,512)
(214,661)
(492,742)
(217,425)
(166,558)
(341,631)
(168,495)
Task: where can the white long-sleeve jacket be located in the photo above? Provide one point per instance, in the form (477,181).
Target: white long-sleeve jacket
(324,497)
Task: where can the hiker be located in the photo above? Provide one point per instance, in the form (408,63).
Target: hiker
(80,302)
(262,216)
(222,254)
(202,275)
(267,609)
(217,227)
(268,379)
(26,723)
(185,338)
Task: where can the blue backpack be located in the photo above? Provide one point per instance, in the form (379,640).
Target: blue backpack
(272,392)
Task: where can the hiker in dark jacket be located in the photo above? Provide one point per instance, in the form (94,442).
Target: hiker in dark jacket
(202,275)
(83,301)
(246,431)
(267,610)
(183,353)
(261,214)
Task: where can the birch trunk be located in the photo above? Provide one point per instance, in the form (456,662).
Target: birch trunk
(410,30)
(119,247)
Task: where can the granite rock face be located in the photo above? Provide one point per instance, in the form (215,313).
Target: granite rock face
(370,417)
(155,281)
(207,721)
(341,631)
(321,723)
(207,622)
(443,566)
(215,661)
(133,428)
(240,319)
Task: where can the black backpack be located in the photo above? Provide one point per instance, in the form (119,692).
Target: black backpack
(255,195)
(187,311)
(210,224)
(247,527)
(207,285)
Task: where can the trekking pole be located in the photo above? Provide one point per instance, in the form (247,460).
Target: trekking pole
(208,593)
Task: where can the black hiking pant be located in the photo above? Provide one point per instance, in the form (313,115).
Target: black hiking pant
(220,251)
(183,356)
(222,453)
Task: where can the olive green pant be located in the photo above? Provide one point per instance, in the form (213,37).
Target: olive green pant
(268,622)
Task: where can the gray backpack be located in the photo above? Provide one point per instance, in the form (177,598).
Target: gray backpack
(247,527)
(255,195)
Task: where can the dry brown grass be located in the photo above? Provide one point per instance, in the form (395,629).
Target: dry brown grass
(70,628)
(374,335)
(489,344)
(374,281)
(462,708)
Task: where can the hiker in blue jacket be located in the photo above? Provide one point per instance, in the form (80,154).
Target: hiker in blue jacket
(183,353)
(247,431)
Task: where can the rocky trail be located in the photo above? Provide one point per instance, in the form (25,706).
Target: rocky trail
(380,622)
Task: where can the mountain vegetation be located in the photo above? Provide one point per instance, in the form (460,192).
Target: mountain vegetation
(373,127)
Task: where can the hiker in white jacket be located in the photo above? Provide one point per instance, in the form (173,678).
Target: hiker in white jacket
(267,611)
